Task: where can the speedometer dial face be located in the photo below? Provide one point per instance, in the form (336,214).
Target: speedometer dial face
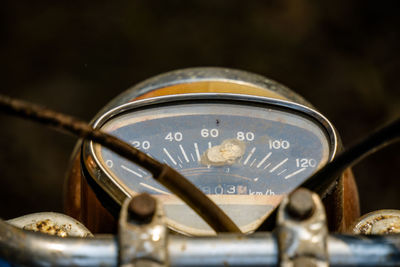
(244,155)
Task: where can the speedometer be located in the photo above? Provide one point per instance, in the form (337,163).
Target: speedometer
(244,140)
(244,152)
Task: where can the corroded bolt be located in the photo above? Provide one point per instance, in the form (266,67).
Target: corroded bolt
(142,208)
(301,205)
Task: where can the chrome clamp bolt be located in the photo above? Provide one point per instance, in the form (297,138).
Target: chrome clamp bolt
(142,233)
(302,231)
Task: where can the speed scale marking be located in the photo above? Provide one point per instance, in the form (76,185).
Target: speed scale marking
(184,153)
(263,160)
(169,156)
(154,189)
(131,171)
(249,156)
(196,147)
(278,165)
(294,173)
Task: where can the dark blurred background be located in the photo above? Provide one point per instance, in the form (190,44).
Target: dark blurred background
(74,56)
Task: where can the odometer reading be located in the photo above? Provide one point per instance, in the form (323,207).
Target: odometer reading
(244,157)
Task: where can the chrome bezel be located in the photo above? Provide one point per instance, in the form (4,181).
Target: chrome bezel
(203,74)
(117,191)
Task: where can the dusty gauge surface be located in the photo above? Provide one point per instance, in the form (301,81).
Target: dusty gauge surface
(244,152)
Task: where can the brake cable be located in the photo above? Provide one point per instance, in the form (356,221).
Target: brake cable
(323,181)
(162,173)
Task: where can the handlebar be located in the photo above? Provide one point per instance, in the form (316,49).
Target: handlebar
(260,249)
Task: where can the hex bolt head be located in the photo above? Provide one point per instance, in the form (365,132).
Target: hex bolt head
(142,208)
(301,204)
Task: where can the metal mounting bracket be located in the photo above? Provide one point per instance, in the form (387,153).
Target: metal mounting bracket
(302,231)
(142,233)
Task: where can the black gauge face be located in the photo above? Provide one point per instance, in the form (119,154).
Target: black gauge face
(244,157)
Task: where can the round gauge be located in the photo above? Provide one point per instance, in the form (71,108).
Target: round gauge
(244,152)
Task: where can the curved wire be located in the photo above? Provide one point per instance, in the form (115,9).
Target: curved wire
(323,181)
(164,174)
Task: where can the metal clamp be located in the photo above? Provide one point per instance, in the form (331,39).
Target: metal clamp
(142,233)
(302,232)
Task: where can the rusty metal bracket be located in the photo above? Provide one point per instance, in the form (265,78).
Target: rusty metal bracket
(379,222)
(142,233)
(51,223)
(302,232)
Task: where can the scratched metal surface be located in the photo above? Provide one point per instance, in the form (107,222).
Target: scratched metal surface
(75,56)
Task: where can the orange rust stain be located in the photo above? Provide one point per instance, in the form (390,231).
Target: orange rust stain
(211,87)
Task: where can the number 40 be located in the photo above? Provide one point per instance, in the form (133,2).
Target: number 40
(177,136)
